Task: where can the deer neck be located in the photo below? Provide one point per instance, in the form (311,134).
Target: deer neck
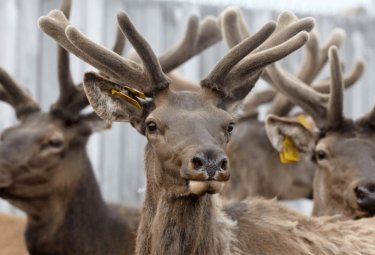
(186,224)
(75,223)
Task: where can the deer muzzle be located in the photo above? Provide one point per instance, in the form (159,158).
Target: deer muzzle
(207,171)
(365,194)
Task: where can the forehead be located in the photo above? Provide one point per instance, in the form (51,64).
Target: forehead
(349,146)
(38,123)
(185,106)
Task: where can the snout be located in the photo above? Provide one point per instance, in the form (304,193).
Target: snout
(365,195)
(207,170)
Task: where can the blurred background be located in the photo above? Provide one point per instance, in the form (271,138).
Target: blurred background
(117,154)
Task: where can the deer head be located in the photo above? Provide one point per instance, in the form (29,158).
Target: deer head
(44,154)
(187,132)
(342,148)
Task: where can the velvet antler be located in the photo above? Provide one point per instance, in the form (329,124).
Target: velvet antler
(12,93)
(72,98)
(326,110)
(289,35)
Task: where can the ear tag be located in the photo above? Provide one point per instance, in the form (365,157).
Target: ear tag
(301,118)
(131,96)
(289,152)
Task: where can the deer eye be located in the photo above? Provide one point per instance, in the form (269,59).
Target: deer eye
(151,127)
(55,143)
(230,127)
(320,155)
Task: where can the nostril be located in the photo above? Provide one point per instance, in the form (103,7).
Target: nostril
(197,162)
(224,164)
(360,192)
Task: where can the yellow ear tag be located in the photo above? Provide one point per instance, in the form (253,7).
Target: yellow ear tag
(301,118)
(131,97)
(289,152)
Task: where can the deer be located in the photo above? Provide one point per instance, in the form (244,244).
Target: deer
(186,163)
(256,169)
(46,172)
(340,148)
(44,168)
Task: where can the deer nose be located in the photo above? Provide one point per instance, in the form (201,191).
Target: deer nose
(211,162)
(365,194)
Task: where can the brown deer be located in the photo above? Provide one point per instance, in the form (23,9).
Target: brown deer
(45,171)
(341,148)
(256,169)
(12,241)
(186,160)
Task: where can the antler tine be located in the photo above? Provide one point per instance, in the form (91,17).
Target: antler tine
(66,84)
(14,94)
(218,75)
(335,103)
(55,23)
(198,37)
(159,81)
(350,78)
(231,24)
(119,44)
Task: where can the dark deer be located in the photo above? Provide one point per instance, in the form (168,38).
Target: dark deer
(342,148)
(256,169)
(45,171)
(186,160)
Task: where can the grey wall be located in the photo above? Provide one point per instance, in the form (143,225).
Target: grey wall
(117,155)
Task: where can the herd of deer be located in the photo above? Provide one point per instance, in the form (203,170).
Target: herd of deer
(193,147)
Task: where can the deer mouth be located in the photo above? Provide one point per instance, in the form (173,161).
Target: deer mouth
(202,187)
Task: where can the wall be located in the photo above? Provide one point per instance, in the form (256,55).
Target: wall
(117,155)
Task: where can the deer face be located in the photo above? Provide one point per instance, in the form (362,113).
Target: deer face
(37,156)
(189,135)
(346,167)
(345,177)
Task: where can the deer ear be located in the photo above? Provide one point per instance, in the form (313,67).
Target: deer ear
(278,128)
(115,107)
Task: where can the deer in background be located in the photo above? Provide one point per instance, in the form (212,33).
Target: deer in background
(342,148)
(185,157)
(45,172)
(256,169)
